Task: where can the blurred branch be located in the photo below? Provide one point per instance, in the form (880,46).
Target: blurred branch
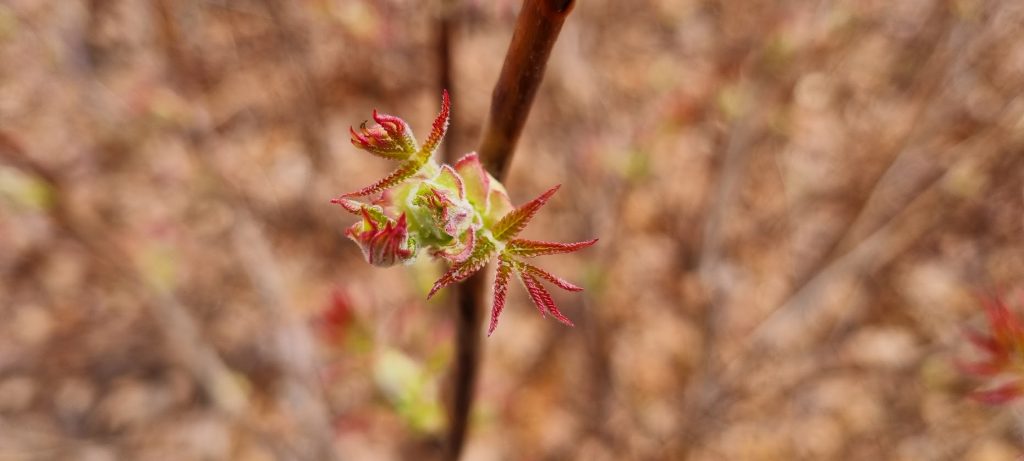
(804,307)
(932,81)
(173,319)
(704,388)
(873,225)
(293,348)
(182,333)
(906,227)
(446,19)
(713,386)
(536,30)
(938,77)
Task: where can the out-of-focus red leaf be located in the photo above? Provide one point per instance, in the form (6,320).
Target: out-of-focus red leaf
(483,251)
(1000,394)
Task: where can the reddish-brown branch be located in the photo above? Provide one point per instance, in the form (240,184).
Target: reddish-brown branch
(536,30)
(535,33)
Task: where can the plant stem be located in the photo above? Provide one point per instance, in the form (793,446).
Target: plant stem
(469,318)
(536,30)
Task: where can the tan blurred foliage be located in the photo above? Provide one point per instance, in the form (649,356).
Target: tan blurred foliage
(798,203)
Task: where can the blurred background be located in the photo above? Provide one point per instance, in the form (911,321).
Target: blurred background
(799,204)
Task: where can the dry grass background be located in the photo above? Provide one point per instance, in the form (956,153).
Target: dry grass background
(798,204)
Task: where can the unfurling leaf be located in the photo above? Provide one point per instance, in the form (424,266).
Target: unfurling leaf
(383,241)
(476,179)
(390,138)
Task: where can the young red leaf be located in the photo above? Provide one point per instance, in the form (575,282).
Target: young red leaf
(981,369)
(538,272)
(397,130)
(449,178)
(334,322)
(349,205)
(531,248)
(384,242)
(983,342)
(1000,394)
(377,141)
(482,253)
(501,279)
(464,253)
(1001,347)
(513,223)
(541,297)
(461,214)
(1006,327)
(439,128)
(448,216)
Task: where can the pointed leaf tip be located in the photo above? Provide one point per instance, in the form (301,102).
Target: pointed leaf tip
(357,138)
(389,138)
(391,123)
(541,298)
(350,206)
(513,223)
(557,281)
(438,285)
